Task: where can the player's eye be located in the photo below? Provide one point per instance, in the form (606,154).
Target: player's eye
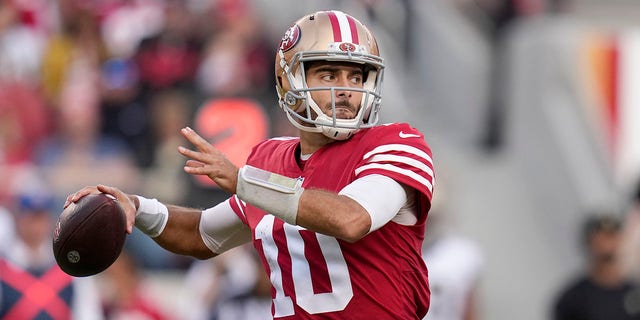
(356,79)
(328,77)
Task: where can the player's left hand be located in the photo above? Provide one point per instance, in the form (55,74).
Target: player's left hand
(209,161)
(128,202)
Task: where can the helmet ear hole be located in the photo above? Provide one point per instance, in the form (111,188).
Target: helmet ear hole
(290,99)
(279,79)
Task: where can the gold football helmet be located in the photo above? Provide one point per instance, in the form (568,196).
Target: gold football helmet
(329,36)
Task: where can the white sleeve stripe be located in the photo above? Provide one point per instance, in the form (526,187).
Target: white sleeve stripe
(402,159)
(284,138)
(398,147)
(240,206)
(388,167)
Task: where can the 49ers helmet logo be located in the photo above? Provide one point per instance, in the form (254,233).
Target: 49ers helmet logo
(290,38)
(347,46)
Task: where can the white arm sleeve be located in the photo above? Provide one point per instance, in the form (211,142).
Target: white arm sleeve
(221,229)
(383,198)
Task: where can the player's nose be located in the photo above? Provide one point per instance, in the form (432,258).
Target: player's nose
(343,83)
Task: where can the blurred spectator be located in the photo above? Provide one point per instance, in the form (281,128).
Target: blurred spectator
(236,60)
(32,286)
(169,58)
(162,55)
(75,53)
(602,291)
(24,123)
(128,23)
(123,112)
(77,154)
(232,286)
(496,19)
(124,297)
(21,46)
(455,265)
(170,110)
(224,70)
(630,249)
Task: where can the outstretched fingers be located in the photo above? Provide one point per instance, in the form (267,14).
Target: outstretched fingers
(199,142)
(204,159)
(195,155)
(191,166)
(209,161)
(194,163)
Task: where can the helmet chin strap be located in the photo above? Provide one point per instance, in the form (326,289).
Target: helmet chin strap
(338,133)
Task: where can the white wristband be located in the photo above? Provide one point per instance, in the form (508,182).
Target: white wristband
(151,217)
(271,192)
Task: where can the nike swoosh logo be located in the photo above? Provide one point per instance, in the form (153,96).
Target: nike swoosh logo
(220,135)
(408,135)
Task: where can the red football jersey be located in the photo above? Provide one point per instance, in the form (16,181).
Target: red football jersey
(314,276)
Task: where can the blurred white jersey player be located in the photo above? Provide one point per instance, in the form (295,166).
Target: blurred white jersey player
(455,266)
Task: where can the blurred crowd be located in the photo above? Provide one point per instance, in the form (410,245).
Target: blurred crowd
(95,92)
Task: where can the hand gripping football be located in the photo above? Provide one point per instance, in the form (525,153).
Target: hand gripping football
(89,235)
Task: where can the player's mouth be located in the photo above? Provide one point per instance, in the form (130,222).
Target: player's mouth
(344,110)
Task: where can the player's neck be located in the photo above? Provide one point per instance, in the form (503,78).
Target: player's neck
(310,142)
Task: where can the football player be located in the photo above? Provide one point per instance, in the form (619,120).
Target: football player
(337,214)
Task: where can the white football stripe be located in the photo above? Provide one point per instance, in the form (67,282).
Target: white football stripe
(398,147)
(388,167)
(284,138)
(345,30)
(402,159)
(241,205)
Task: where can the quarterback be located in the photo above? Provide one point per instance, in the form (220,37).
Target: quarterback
(336,214)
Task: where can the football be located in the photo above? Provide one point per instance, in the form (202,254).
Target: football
(89,235)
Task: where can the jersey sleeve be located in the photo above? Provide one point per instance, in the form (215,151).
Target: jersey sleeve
(221,228)
(401,153)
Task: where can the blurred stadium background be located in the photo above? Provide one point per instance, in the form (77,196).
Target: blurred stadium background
(531,107)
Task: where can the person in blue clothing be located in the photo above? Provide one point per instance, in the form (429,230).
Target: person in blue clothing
(32,286)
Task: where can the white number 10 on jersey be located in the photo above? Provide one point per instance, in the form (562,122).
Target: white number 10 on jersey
(311,302)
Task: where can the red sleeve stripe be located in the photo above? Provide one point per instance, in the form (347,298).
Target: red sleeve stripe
(408,173)
(402,159)
(399,147)
(238,206)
